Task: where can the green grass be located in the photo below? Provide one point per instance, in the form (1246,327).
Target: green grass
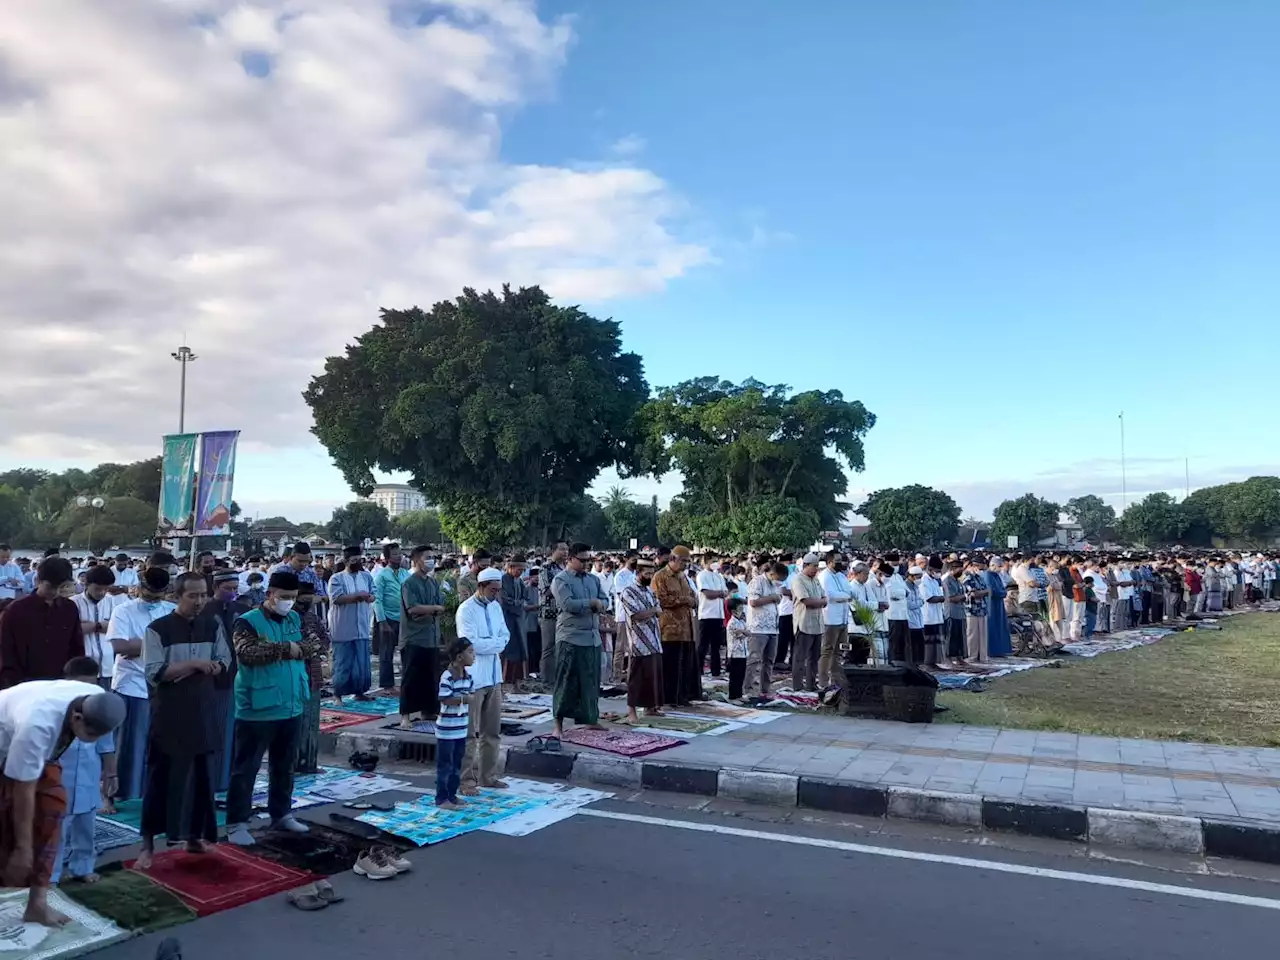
(1214,687)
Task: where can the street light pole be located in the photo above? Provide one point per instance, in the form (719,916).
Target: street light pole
(94,504)
(183,355)
(1124,480)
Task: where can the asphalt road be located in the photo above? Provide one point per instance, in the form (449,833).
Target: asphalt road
(604,888)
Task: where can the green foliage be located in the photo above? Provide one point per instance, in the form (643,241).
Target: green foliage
(122,521)
(910,517)
(767,523)
(739,445)
(358,521)
(1028,518)
(1246,512)
(1157,519)
(503,408)
(1095,516)
(417,527)
(625,519)
(13,513)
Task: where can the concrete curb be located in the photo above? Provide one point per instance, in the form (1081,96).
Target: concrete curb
(1240,840)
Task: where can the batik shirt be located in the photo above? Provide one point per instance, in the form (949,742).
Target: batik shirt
(307,574)
(975,583)
(739,638)
(643,634)
(547,608)
(678,602)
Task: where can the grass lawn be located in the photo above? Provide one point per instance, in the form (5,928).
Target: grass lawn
(1214,687)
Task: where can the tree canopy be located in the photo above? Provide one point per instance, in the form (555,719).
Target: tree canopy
(910,516)
(360,520)
(1095,516)
(502,407)
(737,444)
(35,505)
(417,527)
(625,518)
(120,522)
(1029,518)
(1156,520)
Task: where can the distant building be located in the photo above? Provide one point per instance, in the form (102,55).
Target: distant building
(397,498)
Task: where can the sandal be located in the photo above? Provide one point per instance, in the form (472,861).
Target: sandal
(369,805)
(325,891)
(307,900)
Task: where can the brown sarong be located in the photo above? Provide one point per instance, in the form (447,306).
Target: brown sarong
(46,832)
(644,682)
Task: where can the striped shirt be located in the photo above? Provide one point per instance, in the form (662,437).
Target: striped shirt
(452,723)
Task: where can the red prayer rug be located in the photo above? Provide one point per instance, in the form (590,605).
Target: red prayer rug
(337,719)
(627,743)
(224,877)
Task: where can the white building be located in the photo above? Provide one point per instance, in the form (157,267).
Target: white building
(397,498)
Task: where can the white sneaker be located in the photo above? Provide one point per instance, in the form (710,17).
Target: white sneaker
(367,865)
(290,824)
(391,857)
(238,833)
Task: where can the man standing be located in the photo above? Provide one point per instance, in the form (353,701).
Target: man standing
(810,600)
(421,604)
(624,578)
(350,613)
(386,613)
(580,598)
(644,676)
(480,620)
(860,596)
(126,631)
(38,721)
(953,640)
(977,591)
(41,631)
(226,607)
(763,598)
(126,576)
(512,599)
(182,653)
(12,582)
(547,612)
(299,562)
(711,621)
(271,693)
(681,680)
(835,622)
(469,581)
(95,606)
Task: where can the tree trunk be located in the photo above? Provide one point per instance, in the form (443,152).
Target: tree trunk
(787,479)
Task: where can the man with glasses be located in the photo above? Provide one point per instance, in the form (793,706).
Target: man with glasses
(580,599)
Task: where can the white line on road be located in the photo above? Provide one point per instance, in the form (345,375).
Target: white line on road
(996,866)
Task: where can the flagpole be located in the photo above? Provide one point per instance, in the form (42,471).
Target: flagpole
(1124,480)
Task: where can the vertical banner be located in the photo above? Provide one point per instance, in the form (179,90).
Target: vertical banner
(177,485)
(217,474)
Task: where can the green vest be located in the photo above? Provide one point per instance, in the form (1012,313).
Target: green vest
(272,691)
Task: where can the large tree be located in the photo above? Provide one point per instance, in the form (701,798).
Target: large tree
(417,527)
(120,522)
(1029,518)
(1247,512)
(626,518)
(1157,519)
(503,408)
(1095,516)
(360,520)
(910,517)
(739,443)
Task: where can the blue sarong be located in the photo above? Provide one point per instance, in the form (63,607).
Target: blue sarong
(999,643)
(352,669)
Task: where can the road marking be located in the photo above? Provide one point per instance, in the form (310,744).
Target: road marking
(996,866)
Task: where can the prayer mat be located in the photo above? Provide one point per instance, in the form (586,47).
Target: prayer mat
(324,851)
(20,940)
(129,814)
(729,711)
(422,822)
(131,900)
(542,700)
(107,835)
(689,725)
(377,707)
(560,801)
(224,877)
(520,712)
(331,720)
(335,784)
(418,726)
(626,743)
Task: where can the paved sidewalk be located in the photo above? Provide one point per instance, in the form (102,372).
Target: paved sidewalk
(1191,779)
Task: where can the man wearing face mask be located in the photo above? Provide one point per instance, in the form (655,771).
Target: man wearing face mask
(386,613)
(126,632)
(351,612)
(39,720)
(480,620)
(126,577)
(41,630)
(272,691)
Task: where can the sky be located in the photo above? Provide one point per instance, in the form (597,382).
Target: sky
(997,224)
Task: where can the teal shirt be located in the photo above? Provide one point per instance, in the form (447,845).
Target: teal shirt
(386,593)
(272,691)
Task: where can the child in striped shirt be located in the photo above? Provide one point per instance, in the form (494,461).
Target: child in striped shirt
(451,727)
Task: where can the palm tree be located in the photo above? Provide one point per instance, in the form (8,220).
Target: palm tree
(616,497)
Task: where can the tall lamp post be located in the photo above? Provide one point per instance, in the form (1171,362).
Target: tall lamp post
(183,355)
(94,504)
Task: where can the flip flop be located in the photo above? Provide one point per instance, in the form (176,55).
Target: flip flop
(369,805)
(308,901)
(325,891)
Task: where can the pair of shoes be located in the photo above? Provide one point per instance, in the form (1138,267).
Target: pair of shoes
(315,896)
(381,863)
(290,824)
(238,834)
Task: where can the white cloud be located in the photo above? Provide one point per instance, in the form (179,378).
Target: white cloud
(261,177)
(629,145)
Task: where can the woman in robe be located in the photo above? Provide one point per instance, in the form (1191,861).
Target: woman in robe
(999,643)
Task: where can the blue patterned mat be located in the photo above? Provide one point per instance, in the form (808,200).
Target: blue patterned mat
(422,822)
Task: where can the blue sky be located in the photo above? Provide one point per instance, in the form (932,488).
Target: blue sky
(998,224)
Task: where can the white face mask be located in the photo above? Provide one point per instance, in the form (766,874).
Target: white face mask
(283,607)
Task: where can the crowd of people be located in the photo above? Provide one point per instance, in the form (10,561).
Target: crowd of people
(214,668)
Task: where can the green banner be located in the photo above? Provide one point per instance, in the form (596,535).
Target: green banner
(177,485)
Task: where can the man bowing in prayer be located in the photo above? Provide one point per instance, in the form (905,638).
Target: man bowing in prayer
(38,721)
(580,599)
